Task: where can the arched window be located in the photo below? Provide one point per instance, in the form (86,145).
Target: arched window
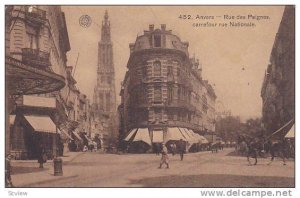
(157,68)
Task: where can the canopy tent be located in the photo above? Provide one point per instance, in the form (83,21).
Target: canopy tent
(41,123)
(131,133)
(142,134)
(174,133)
(291,132)
(158,136)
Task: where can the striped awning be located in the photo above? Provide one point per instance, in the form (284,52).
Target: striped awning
(77,135)
(60,131)
(131,133)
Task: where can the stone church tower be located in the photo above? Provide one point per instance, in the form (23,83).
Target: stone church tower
(104,92)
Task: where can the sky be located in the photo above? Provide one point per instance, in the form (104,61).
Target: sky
(233,59)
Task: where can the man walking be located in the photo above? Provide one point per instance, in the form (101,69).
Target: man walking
(164,157)
(181,148)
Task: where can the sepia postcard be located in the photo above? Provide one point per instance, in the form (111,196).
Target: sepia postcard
(150,96)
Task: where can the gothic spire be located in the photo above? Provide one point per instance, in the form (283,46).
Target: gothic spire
(105,36)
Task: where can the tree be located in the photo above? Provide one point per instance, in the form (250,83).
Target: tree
(228,128)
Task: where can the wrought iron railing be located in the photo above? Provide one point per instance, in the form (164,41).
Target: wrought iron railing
(35,57)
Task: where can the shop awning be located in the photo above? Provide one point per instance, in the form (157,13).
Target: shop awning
(41,123)
(187,136)
(12,119)
(77,135)
(174,133)
(282,129)
(158,136)
(142,134)
(203,139)
(64,132)
(131,133)
(88,139)
(291,133)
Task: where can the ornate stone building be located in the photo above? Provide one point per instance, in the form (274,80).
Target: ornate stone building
(38,40)
(163,90)
(104,107)
(278,89)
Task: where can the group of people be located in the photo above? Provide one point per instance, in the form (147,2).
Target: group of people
(180,147)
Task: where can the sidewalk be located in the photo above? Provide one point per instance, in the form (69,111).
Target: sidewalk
(24,169)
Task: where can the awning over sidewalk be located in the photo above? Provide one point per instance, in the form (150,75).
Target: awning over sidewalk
(41,123)
(64,132)
(187,136)
(291,132)
(77,135)
(142,134)
(158,136)
(174,133)
(88,139)
(131,133)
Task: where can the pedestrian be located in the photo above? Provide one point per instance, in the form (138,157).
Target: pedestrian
(164,156)
(85,148)
(173,148)
(42,157)
(181,148)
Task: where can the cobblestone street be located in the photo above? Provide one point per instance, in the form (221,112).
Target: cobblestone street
(204,169)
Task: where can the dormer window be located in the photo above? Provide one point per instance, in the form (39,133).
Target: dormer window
(157,40)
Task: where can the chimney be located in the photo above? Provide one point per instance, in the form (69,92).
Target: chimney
(163,27)
(151,27)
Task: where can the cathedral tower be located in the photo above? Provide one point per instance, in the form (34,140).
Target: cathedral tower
(104,92)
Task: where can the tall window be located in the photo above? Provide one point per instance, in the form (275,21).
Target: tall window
(170,71)
(170,93)
(102,79)
(109,80)
(157,41)
(107,101)
(157,68)
(32,38)
(101,101)
(144,70)
(158,114)
(157,94)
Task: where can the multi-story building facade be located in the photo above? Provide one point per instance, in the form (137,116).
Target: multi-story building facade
(163,88)
(104,104)
(39,38)
(278,89)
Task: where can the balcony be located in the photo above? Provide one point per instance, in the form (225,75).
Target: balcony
(181,104)
(35,15)
(35,58)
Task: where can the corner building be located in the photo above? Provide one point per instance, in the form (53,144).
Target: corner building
(278,89)
(163,93)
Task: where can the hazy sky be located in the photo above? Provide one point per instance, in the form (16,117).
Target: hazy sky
(233,59)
